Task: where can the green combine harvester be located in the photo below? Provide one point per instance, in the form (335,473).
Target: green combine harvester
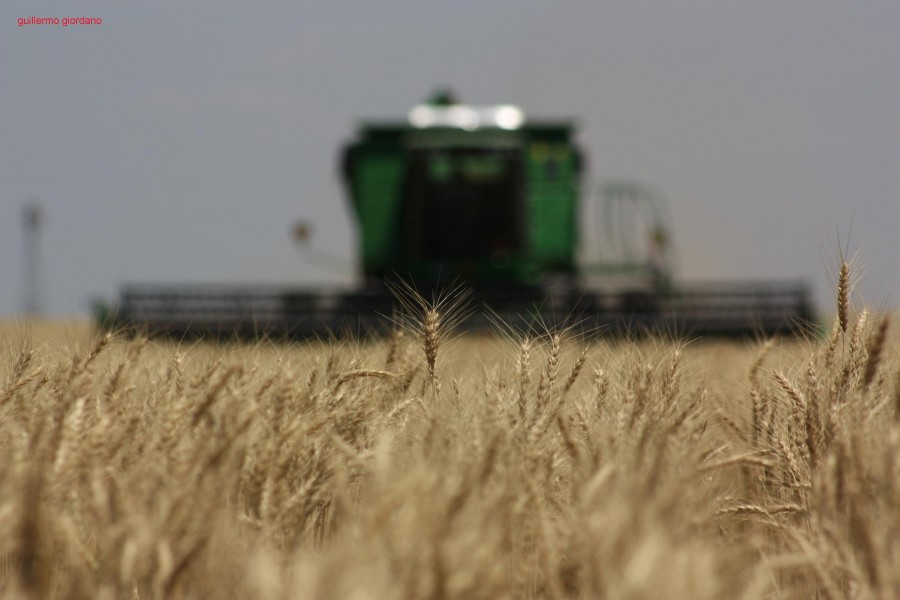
(481,199)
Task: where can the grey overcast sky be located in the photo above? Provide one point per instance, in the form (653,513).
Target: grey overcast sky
(178,141)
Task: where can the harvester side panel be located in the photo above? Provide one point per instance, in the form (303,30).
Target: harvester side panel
(552,199)
(377,187)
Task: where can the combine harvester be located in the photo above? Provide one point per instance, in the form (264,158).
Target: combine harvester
(483,199)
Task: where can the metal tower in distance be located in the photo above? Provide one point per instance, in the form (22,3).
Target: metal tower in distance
(32,219)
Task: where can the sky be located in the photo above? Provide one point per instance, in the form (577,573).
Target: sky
(179,141)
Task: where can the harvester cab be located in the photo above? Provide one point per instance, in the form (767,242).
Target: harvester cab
(472,193)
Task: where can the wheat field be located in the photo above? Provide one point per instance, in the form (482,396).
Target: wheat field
(421,465)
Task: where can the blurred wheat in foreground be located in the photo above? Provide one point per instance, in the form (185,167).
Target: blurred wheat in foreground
(539,466)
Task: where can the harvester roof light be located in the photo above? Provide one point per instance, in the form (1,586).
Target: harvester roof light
(462,116)
(509,117)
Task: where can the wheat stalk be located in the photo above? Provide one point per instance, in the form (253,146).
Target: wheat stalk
(875,350)
(433,323)
(843,296)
